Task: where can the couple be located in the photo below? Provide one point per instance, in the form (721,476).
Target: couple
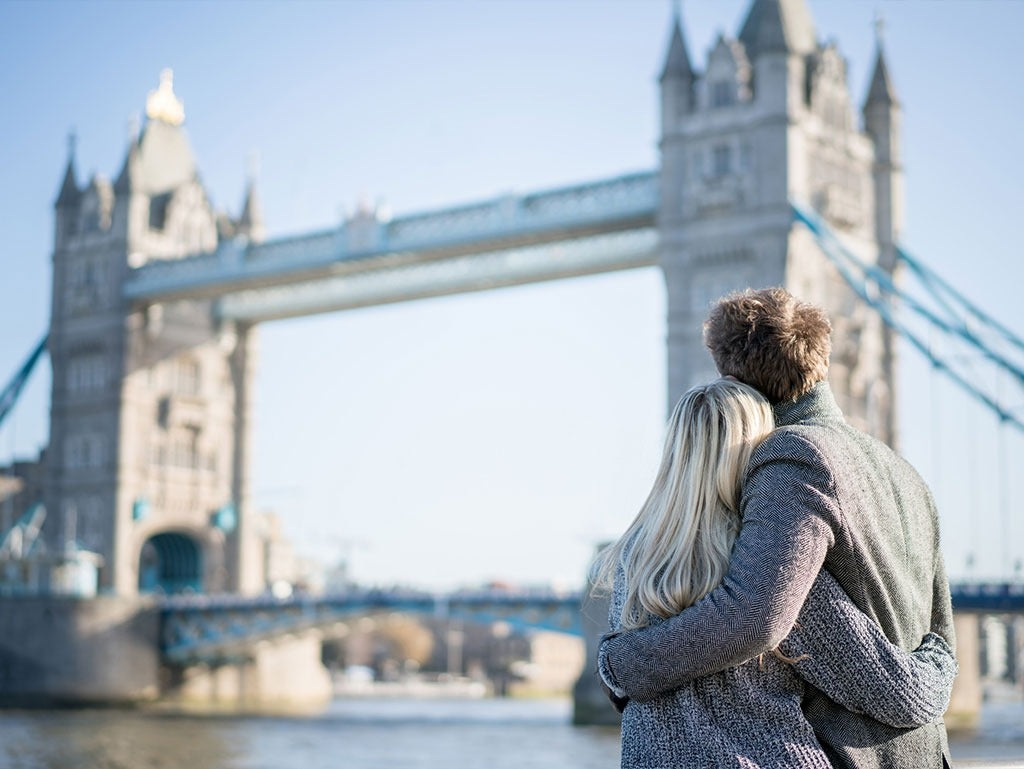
(768,595)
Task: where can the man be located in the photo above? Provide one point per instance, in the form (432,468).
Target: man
(819,494)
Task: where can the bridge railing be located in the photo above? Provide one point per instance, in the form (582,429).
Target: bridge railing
(210,628)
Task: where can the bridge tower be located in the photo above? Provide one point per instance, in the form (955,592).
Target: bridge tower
(149,406)
(770,119)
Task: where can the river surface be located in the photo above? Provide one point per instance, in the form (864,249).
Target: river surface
(370,734)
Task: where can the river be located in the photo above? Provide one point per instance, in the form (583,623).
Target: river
(371,734)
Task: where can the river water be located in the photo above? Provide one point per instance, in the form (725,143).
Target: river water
(371,734)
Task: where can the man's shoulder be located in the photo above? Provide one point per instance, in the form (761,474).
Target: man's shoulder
(824,439)
(799,441)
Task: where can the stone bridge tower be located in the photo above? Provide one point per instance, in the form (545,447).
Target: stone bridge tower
(149,405)
(770,118)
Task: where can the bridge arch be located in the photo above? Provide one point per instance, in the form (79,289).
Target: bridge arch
(171,562)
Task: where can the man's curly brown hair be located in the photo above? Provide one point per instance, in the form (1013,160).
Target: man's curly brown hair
(771,341)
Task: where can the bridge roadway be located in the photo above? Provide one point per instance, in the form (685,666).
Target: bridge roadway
(370,259)
(208,629)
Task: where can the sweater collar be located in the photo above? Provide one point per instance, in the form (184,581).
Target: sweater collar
(814,406)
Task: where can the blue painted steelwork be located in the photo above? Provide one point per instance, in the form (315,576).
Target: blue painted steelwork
(219,628)
(10,393)
(960,325)
(989,597)
(210,628)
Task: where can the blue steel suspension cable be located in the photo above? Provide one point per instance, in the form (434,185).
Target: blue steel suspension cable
(834,252)
(930,277)
(10,394)
(956,327)
(884,283)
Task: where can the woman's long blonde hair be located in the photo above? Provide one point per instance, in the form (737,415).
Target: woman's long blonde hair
(677,549)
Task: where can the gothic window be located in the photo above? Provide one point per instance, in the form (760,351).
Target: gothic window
(185,449)
(158,205)
(87,373)
(697,164)
(727,75)
(746,160)
(90,524)
(90,215)
(721,160)
(723,93)
(187,379)
(83,451)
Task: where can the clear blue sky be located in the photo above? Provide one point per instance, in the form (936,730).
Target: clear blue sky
(497,435)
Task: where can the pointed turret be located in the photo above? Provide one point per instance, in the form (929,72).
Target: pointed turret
(69,194)
(881,90)
(250,223)
(164,158)
(882,122)
(677,63)
(778,26)
(677,79)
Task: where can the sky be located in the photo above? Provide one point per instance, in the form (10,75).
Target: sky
(500,435)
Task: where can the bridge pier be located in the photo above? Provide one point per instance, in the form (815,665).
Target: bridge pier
(590,705)
(965,704)
(283,675)
(67,651)
(58,651)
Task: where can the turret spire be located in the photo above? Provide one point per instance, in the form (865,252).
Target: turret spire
(250,222)
(881,90)
(69,192)
(778,26)
(677,62)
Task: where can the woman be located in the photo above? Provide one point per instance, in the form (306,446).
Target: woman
(677,550)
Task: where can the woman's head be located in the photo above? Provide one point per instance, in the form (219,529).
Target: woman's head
(711,434)
(677,548)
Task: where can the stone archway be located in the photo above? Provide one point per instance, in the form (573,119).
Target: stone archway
(170,562)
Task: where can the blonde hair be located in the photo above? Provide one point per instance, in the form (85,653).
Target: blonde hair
(677,548)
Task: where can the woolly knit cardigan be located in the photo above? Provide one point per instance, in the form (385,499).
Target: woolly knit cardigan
(749,716)
(818,493)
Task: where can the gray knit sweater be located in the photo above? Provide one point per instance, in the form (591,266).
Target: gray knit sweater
(749,716)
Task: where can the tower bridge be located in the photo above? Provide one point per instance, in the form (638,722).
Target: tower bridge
(768,175)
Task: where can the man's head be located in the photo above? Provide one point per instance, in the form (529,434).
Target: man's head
(771,341)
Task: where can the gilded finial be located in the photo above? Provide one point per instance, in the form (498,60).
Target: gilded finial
(162,104)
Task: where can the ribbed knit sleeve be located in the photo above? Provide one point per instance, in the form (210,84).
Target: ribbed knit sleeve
(841,652)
